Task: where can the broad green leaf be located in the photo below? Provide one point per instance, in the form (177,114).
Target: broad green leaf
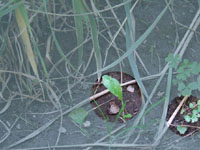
(78,115)
(198,108)
(181,86)
(173,61)
(181,77)
(195,68)
(181,129)
(194,118)
(192,85)
(191,105)
(180,69)
(186,92)
(187,72)
(175,82)
(198,102)
(194,112)
(186,62)
(187,118)
(113,86)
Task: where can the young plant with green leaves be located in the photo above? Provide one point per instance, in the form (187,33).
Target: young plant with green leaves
(186,73)
(195,115)
(115,88)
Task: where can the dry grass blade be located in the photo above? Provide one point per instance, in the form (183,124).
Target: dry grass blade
(26,40)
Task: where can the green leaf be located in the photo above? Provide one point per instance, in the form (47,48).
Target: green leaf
(169,58)
(195,68)
(182,111)
(198,102)
(194,118)
(193,85)
(187,72)
(187,118)
(173,61)
(194,112)
(175,82)
(113,86)
(181,86)
(127,116)
(181,77)
(191,105)
(181,129)
(78,115)
(185,62)
(180,69)
(186,92)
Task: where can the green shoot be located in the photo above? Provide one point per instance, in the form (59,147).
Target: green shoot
(194,117)
(115,88)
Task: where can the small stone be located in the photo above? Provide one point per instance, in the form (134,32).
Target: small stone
(114,108)
(86,124)
(62,130)
(130,88)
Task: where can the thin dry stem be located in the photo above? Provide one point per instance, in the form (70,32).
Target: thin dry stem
(176,111)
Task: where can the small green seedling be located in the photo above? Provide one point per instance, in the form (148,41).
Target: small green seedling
(185,71)
(115,88)
(194,117)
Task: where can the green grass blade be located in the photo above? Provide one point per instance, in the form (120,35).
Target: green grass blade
(78,9)
(140,115)
(95,39)
(130,38)
(165,107)
(9,7)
